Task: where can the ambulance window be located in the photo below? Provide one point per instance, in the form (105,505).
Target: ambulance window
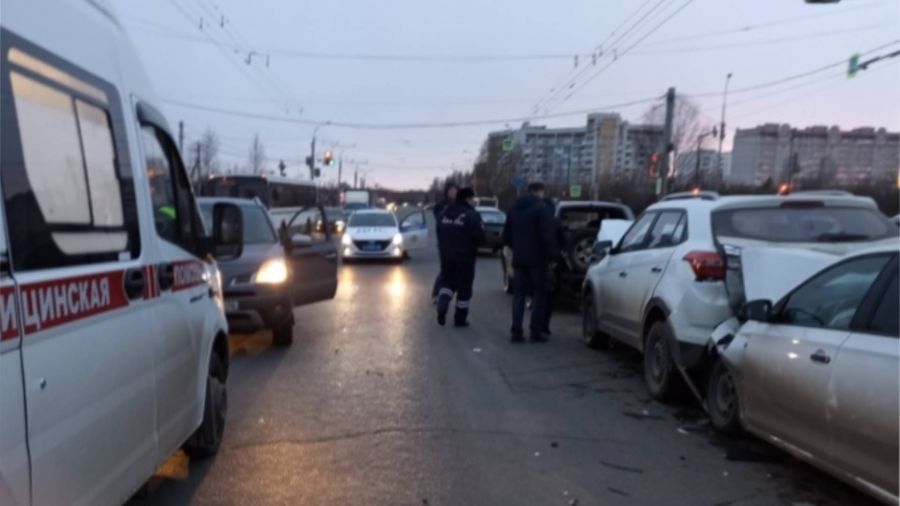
(174,212)
(64,192)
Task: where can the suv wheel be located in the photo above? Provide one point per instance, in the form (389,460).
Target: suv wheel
(722,399)
(660,373)
(283,335)
(592,337)
(580,247)
(205,441)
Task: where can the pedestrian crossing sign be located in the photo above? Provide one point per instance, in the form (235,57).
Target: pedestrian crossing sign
(575,191)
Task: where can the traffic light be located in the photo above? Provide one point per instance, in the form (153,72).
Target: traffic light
(328,158)
(853,66)
(654,164)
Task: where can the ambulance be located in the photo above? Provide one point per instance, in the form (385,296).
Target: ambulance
(113,341)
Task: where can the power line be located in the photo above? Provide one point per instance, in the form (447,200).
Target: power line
(400,126)
(321,55)
(632,46)
(575,74)
(767,24)
(793,77)
(763,42)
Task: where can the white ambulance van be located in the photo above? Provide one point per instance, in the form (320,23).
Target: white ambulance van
(113,342)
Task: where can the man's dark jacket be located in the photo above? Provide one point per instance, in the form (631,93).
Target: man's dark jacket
(460,232)
(530,233)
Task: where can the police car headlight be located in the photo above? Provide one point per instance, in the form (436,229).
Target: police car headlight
(346,240)
(272,272)
(398,239)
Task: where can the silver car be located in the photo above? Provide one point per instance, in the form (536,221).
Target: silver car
(816,373)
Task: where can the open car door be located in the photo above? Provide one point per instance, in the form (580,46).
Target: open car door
(414,230)
(312,254)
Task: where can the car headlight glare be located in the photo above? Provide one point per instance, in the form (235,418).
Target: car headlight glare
(346,240)
(398,239)
(272,272)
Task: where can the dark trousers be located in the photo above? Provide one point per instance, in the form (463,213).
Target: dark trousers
(438,281)
(529,281)
(457,278)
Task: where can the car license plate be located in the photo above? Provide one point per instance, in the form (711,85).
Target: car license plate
(371,246)
(232,305)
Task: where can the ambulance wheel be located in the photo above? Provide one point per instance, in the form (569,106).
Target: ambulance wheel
(205,441)
(284,335)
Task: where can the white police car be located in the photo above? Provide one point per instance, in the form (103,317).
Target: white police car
(376,233)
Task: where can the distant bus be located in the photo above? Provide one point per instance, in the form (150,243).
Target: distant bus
(274,192)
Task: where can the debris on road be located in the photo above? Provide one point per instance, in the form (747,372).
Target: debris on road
(554,444)
(476,350)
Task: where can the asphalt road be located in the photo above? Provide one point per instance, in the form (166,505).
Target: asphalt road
(375,404)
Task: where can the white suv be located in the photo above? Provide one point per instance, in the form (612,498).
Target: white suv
(662,289)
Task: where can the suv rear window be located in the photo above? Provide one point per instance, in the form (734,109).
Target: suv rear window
(803,224)
(589,217)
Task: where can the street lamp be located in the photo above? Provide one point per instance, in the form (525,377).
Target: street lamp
(719,175)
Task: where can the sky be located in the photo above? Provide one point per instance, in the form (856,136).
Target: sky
(390,75)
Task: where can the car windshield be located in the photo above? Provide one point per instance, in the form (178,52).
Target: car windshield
(257,225)
(358,220)
(492,217)
(803,224)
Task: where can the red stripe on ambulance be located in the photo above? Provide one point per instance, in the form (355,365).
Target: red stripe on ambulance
(188,274)
(56,302)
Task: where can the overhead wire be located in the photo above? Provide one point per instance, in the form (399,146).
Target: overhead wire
(401,126)
(647,34)
(576,74)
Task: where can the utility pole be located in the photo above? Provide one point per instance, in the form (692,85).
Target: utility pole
(720,176)
(340,170)
(181,136)
(666,143)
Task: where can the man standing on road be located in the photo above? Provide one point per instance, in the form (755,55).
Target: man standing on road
(450,190)
(460,232)
(529,234)
(556,260)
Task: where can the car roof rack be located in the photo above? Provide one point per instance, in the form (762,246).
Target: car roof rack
(704,195)
(823,193)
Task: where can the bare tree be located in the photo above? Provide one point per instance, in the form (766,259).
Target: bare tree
(209,151)
(686,123)
(257,155)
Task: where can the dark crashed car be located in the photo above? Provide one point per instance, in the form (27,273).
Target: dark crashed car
(580,221)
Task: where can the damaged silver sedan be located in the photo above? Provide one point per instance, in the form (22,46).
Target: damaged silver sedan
(815,371)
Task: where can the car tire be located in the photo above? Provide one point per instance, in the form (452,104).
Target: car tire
(660,372)
(591,337)
(722,400)
(205,441)
(579,248)
(283,335)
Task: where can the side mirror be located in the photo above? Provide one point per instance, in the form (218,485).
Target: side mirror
(758,310)
(301,241)
(227,231)
(601,249)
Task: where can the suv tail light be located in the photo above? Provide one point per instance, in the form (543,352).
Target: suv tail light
(707,265)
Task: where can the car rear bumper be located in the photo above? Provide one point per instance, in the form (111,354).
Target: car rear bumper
(252,309)
(702,308)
